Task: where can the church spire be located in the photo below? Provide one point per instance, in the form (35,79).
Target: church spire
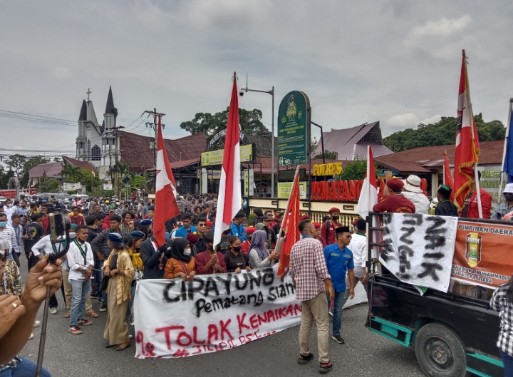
(110,109)
(83,111)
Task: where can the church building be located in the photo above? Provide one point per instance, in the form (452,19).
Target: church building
(97,144)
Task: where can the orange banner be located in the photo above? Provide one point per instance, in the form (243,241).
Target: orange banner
(483,253)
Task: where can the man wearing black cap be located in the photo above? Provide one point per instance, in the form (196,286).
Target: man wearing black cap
(339,259)
(445,207)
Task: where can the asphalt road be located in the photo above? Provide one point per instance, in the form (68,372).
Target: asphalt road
(363,354)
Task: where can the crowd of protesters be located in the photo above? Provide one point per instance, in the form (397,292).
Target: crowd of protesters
(112,248)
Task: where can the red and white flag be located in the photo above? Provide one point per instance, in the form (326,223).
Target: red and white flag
(289,227)
(369,194)
(165,192)
(448,181)
(466,154)
(229,201)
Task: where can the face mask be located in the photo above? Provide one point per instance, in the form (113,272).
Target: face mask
(508,197)
(187,252)
(3,224)
(335,217)
(236,248)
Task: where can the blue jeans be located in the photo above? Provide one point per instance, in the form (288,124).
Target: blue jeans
(508,364)
(24,368)
(80,290)
(340,300)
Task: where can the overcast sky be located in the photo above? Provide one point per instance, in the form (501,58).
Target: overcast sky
(396,61)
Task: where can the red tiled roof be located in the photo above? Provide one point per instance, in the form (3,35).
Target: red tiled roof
(79,164)
(136,151)
(50,169)
(426,159)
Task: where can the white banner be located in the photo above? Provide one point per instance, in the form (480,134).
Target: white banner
(213,313)
(418,249)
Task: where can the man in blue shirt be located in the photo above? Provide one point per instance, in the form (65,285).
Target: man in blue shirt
(237,228)
(186,228)
(339,259)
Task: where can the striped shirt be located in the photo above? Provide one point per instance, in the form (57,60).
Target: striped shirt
(308,268)
(499,302)
(9,235)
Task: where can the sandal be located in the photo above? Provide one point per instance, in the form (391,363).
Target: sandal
(303,359)
(123,347)
(91,313)
(325,367)
(110,345)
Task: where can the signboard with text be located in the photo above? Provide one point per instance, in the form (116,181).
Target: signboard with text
(285,188)
(483,253)
(214,158)
(293,129)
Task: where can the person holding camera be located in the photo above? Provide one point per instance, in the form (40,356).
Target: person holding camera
(17,316)
(118,267)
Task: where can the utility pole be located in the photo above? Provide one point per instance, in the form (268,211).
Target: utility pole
(154,127)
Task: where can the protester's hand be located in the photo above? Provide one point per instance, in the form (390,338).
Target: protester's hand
(191,276)
(329,289)
(365,279)
(41,276)
(180,275)
(248,268)
(273,255)
(11,309)
(237,270)
(88,273)
(351,293)
(388,175)
(114,272)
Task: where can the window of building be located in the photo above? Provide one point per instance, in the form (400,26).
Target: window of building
(96,154)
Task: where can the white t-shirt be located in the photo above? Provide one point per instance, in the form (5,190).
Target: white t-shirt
(358,246)
(420,200)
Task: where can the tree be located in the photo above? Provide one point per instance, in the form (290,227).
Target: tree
(355,170)
(212,124)
(17,163)
(441,133)
(328,155)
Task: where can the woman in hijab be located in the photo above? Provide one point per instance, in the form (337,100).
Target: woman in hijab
(259,256)
(235,260)
(119,268)
(181,264)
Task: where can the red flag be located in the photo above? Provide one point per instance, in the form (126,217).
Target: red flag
(448,181)
(466,154)
(165,192)
(229,201)
(369,192)
(290,226)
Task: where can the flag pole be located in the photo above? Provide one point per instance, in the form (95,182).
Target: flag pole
(443,168)
(506,139)
(279,242)
(474,132)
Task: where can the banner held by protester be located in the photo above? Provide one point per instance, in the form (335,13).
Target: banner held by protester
(175,318)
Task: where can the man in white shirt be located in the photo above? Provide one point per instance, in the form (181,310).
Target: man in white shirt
(80,262)
(358,246)
(413,191)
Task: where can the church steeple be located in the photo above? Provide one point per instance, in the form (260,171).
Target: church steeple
(109,108)
(83,112)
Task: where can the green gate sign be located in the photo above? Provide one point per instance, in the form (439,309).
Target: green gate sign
(293,129)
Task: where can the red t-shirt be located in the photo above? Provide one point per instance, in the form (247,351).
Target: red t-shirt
(486,205)
(395,203)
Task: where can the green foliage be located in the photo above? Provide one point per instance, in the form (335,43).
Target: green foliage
(211,124)
(5,176)
(441,133)
(138,181)
(328,155)
(355,170)
(17,163)
(48,184)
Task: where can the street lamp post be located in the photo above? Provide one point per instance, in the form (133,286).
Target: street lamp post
(271,92)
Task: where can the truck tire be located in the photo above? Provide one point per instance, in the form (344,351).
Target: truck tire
(439,351)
